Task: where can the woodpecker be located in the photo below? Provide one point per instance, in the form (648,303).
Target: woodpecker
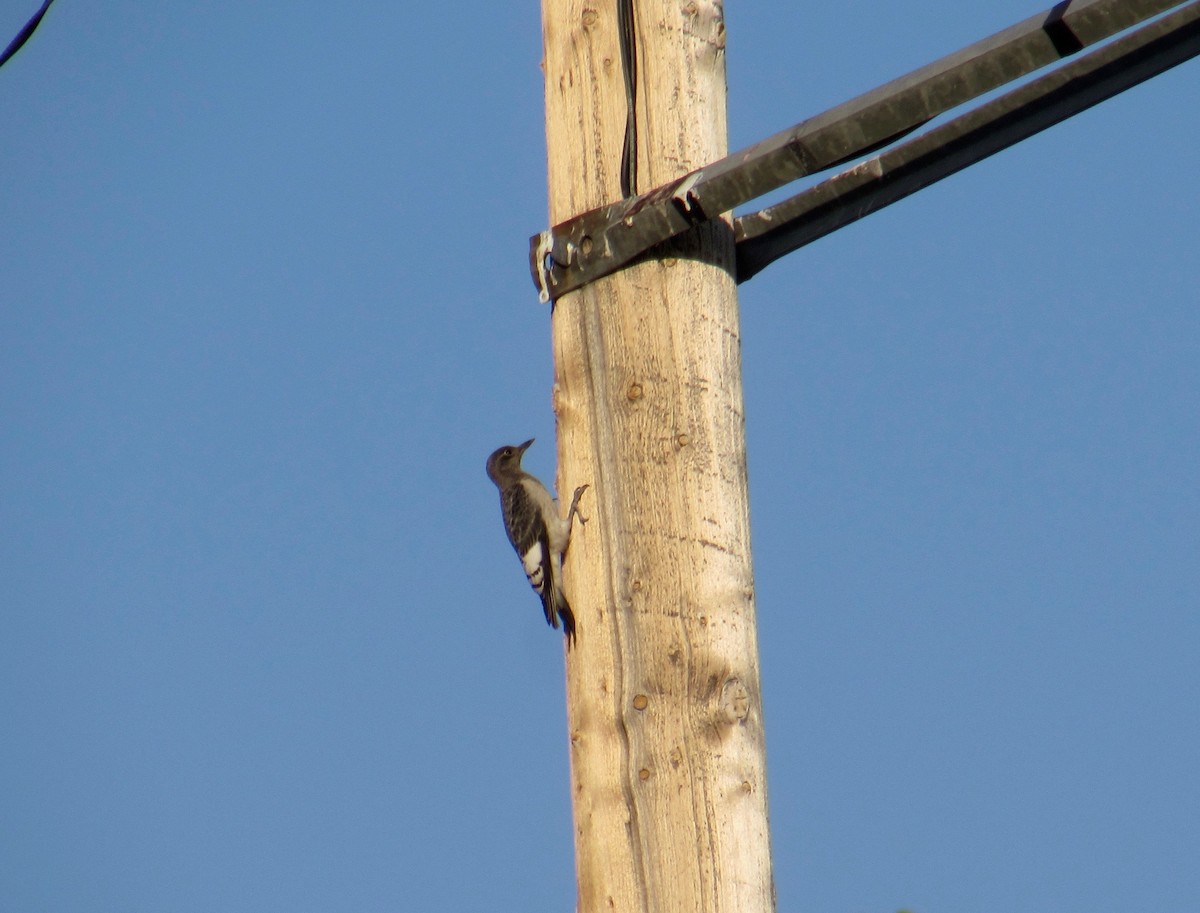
(536,531)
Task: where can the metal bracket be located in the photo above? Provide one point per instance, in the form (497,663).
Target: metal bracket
(603,240)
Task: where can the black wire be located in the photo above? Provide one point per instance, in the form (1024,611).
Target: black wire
(23,35)
(628,39)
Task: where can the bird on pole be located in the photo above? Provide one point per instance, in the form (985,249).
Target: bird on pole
(535,529)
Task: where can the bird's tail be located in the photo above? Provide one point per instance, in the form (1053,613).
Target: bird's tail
(568,621)
(556,607)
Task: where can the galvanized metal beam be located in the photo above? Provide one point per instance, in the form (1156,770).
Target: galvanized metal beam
(603,240)
(868,186)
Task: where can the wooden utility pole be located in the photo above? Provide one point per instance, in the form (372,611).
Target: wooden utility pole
(666,735)
(667,751)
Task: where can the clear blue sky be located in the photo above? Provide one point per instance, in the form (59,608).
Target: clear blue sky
(265,311)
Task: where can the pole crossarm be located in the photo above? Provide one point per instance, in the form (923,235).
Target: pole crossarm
(767,235)
(601,241)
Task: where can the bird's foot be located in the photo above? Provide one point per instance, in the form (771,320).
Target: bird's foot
(575,511)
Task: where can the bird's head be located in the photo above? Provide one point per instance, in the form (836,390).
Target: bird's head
(505,463)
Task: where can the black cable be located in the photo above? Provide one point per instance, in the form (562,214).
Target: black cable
(628,39)
(23,35)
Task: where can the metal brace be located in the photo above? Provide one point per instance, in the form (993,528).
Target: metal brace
(603,240)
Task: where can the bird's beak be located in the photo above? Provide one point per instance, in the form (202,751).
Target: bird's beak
(521,448)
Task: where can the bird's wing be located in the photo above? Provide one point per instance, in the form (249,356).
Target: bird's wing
(526,527)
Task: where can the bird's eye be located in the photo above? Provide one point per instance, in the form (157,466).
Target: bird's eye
(508,451)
